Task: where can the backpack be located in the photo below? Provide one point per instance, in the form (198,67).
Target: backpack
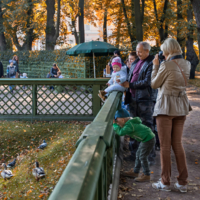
(11,71)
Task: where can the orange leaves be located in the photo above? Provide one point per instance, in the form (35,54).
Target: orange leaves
(41,195)
(29,192)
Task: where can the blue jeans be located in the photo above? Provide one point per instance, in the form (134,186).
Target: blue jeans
(11,87)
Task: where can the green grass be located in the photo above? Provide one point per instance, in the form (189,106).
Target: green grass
(22,139)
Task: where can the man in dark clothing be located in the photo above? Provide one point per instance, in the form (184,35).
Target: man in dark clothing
(1,70)
(143,97)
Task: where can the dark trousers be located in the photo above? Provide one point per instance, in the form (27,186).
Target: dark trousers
(144,110)
(142,154)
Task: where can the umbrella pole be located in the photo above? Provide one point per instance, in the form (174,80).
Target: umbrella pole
(94,66)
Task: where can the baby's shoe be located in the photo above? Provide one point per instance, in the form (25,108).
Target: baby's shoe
(181,188)
(160,186)
(102,95)
(143,178)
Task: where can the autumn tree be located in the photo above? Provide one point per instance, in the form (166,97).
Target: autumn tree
(2,35)
(52,30)
(161,21)
(191,54)
(196,8)
(18,22)
(81,21)
(130,25)
(139,16)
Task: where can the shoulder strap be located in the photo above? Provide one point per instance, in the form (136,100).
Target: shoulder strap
(181,72)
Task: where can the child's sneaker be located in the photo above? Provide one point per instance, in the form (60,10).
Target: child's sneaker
(130,174)
(160,186)
(143,178)
(181,188)
(102,93)
(103,98)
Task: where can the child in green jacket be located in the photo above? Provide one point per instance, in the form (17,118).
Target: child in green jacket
(125,125)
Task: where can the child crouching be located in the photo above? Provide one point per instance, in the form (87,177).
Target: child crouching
(118,76)
(123,124)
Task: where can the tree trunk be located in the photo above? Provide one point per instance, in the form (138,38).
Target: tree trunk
(191,54)
(81,22)
(3,45)
(119,23)
(75,31)
(52,33)
(180,38)
(127,22)
(105,25)
(196,8)
(138,20)
(163,33)
(29,33)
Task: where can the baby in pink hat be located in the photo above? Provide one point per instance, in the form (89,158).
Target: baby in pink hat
(118,76)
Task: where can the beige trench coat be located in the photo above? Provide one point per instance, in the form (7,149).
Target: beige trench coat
(172,99)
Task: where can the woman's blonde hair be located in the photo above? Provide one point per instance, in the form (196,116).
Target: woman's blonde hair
(171,46)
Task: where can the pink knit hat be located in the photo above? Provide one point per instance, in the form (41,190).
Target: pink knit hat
(117,61)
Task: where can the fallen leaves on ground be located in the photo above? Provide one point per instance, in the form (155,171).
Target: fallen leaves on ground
(20,140)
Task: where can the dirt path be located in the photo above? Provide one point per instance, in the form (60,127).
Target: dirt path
(130,190)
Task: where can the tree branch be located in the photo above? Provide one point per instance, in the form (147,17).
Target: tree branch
(143,1)
(155,10)
(164,11)
(127,21)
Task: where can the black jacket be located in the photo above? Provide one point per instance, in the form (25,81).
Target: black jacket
(143,92)
(1,70)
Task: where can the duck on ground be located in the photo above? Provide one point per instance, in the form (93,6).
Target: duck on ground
(43,145)
(38,171)
(11,164)
(6,174)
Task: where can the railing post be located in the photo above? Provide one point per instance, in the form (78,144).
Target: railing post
(34,100)
(96,101)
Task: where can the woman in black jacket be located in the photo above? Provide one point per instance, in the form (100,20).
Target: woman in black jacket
(1,70)
(54,70)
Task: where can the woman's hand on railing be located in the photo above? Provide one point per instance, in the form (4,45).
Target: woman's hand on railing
(107,84)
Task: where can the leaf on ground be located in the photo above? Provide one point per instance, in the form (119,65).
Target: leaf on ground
(192,184)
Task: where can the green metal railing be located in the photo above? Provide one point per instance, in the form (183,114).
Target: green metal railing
(90,171)
(50,99)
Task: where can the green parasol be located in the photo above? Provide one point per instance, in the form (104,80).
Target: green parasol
(92,48)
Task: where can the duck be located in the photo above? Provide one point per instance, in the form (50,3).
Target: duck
(11,164)
(38,172)
(43,145)
(6,174)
